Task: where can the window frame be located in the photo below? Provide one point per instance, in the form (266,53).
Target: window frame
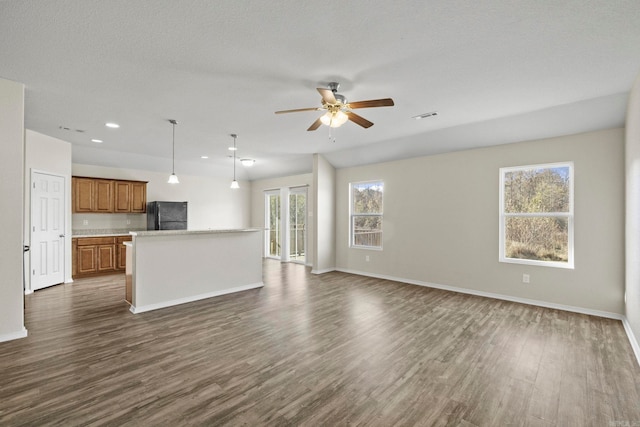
(568,215)
(353,215)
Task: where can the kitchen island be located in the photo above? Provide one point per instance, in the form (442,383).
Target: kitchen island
(173,267)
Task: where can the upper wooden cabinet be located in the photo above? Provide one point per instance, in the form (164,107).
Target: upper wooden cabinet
(108,195)
(82,194)
(103,196)
(131,196)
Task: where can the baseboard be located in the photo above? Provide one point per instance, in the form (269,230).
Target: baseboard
(632,339)
(528,301)
(14,335)
(326,270)
(164,304)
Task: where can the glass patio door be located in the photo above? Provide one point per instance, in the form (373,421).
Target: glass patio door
(272,222)
(297,224)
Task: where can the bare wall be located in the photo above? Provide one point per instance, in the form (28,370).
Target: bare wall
(11,193)
(441,221)
(633,214)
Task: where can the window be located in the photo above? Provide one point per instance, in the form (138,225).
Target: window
(536,215)
(366,214)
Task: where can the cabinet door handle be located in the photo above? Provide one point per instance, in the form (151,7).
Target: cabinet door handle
(62,235)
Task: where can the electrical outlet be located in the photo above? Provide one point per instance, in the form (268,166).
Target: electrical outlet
(525,278)
(366,258)
(128,222)
(85,222)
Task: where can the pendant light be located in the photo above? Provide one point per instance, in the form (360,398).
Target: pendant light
(173,178)
(234,183)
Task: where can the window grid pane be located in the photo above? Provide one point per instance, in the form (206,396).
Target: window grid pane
(366,214)
(537,238)
(537,214)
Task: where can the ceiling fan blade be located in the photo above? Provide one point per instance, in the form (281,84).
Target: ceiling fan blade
(359,120)
(386,102)
(316,125)
(327,95)
(298,109)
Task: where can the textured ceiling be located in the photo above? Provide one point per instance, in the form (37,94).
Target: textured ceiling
(496,71)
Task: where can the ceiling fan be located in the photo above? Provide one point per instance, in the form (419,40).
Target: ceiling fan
(338,109)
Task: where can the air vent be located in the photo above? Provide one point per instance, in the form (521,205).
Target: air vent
(425,115)
(70,130)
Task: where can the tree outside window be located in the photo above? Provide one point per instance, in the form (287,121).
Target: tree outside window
(536,214)
(366,214)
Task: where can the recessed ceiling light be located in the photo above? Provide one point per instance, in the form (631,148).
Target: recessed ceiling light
(233,149)
(112,125)
(247,162)
(425,115)
(204,157)
(97,141)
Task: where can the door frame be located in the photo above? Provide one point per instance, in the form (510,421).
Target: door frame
(283,194)
(28,288)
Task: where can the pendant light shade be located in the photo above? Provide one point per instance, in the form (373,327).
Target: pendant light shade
(234,183)
(173,178)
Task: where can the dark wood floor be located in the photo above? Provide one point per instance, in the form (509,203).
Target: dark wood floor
(334,349)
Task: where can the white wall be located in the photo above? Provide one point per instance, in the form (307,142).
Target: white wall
(324,232)
(11,194)
(212,204)
(633,214)
(46,154)
(441,222)
(258,188)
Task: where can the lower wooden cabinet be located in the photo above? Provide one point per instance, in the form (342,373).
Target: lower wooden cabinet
(121,257)
(93,256)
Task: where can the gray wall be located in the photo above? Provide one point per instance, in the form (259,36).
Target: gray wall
(11,194)
(324,234)
(441,222)
(633,214)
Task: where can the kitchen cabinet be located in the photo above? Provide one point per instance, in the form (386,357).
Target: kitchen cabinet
(97,195)
(121,253)
(94,256)
(131,196)
(82,193)
(92,195)
(74,257)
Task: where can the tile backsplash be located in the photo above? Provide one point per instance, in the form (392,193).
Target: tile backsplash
(118,221)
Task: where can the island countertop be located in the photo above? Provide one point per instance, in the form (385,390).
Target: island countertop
(147,233)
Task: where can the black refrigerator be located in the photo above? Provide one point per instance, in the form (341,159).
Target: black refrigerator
(167,216)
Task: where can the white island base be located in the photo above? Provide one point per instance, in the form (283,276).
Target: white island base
(178,266)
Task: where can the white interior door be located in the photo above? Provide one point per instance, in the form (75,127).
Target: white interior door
(47,230)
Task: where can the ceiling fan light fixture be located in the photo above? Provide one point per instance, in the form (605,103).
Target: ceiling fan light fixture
(334,119)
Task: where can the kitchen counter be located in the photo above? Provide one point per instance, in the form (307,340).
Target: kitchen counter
(170,267)
(102,232)
(188,232)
